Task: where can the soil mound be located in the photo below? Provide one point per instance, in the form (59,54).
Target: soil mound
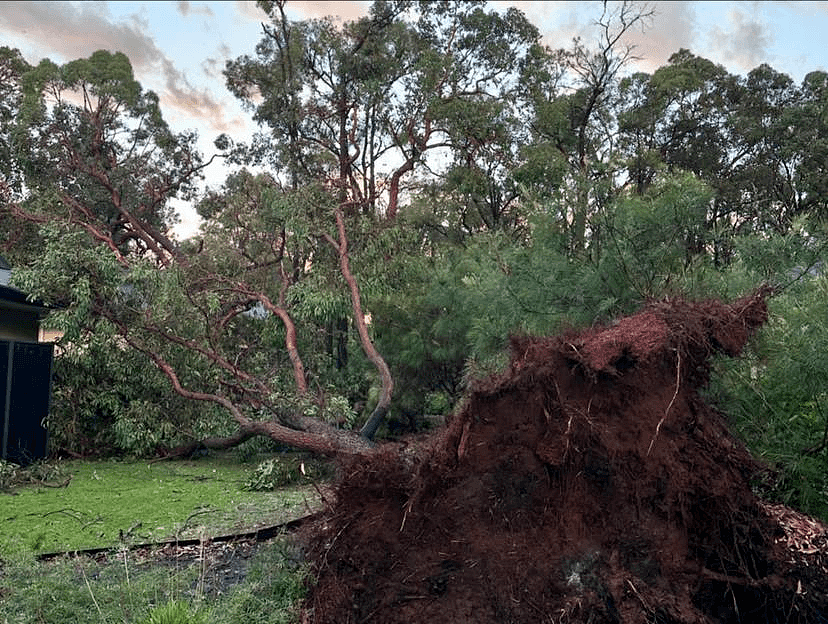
(588,483)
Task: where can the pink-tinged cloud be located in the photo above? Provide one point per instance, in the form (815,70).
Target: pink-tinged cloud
(346,11)
(192,102)
(662,29)
(569,24)
(673,26)
(300,10)
(76,31)
(71,31)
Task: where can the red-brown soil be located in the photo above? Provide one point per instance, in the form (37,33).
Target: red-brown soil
(588,483)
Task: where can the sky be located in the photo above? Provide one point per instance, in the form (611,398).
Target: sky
(179,49)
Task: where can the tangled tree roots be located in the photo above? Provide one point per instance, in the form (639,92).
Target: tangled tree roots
(588,483)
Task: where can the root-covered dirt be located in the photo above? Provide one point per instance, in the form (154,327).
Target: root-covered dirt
(588,483)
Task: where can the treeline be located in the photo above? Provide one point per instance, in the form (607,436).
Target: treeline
(427,181)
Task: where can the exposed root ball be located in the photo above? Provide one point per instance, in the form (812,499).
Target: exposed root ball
(588,483)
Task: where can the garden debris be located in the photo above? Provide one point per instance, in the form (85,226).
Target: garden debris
(801,535)
(44,474)
(260,534)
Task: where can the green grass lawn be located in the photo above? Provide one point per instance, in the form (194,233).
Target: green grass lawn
(118,503)
(109,503)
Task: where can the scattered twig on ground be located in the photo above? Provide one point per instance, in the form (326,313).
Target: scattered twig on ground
(190,517)
(68,511)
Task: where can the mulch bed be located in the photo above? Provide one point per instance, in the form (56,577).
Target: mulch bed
(588,483)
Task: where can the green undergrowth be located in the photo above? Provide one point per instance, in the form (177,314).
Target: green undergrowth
(124,589)
(113,503)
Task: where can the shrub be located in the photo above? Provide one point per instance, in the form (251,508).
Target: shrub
(281,471)
(776,397)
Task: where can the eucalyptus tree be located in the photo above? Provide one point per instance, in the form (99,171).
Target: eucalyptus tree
(13,237)
(814,123)
(12,68)
(100,167)
(479,104)
(679,119)
(363,103)
(367,105)
(90,139)
(95,167)
(781,129)
(756,140)
(574,94)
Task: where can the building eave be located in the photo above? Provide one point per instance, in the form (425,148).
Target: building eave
(13,299)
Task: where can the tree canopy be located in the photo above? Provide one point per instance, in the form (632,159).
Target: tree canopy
(427,180)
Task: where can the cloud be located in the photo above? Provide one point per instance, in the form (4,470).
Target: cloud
(673,26)
(561,22)
(653,39)
(192,102)
(76,31)
(347,11)
(536,12)
(186,9)
(569,23)
(745,43)
(73,31)
(248,9)
(212,67)
(302,9)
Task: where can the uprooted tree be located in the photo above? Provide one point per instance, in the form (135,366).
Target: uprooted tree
(101,166)
(560,194)
(589,482)
(232,319)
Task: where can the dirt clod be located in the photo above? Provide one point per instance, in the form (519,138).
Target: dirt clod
(588,483)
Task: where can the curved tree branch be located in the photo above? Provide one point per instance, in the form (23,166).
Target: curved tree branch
(369,429)
(327,441)
(290,333)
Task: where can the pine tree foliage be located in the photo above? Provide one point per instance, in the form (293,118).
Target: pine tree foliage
(778,396)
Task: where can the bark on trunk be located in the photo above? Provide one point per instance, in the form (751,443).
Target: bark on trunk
(370,428)
(313,434)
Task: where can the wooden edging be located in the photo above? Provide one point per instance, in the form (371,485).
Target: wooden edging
(259,535)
